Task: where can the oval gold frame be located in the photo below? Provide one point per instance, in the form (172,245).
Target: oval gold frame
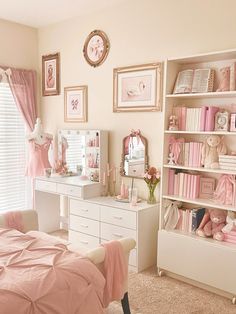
(106,45)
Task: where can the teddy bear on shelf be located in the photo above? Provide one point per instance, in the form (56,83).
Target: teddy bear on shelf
(224,80)
(230,222)
(212,224)
(211,149)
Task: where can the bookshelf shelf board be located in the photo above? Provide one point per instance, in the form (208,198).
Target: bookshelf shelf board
(200,132)
(201,169)
(200,201)
(203,95)
(211,241)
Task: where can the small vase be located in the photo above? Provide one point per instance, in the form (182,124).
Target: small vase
(151,197)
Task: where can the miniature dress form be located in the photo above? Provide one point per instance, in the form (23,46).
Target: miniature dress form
(39,143)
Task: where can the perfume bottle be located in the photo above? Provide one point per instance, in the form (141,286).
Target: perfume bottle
(97,140)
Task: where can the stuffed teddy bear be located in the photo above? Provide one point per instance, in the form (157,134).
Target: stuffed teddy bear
(224,80)
(212,224)
(230,222)
(211,149)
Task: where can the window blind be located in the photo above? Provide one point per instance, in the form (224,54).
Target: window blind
(13,183)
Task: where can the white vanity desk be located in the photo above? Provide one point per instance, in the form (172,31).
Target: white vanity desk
(94,219)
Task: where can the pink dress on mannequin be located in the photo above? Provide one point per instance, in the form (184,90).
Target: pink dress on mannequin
(38,160)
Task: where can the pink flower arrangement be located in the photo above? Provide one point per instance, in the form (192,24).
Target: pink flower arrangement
(152,178)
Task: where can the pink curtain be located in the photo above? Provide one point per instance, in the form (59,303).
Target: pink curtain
(23,87)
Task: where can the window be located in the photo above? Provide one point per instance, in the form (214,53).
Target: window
(14,186)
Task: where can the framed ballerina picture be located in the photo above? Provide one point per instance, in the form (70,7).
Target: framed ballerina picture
(50,75)
(96,48)
(75,103)
(137,88)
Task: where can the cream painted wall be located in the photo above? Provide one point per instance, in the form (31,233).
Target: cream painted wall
(139,32)
(19,45)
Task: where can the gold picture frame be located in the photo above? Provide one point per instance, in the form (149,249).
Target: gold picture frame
(51,74)
(96,48)
(75,103)
(137,88)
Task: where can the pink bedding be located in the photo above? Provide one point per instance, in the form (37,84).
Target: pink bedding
(38,276)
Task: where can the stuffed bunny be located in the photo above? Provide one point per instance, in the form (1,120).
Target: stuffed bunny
(231,222)
(212,148)
(224,80)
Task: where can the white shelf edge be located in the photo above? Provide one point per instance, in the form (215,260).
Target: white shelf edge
(222,171)
(197,238)
(200,132)
(205,95)
(201,202)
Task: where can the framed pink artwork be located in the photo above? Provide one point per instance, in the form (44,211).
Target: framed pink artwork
(75,104)
(137,88)
(207,188)
(96,48)
(51,75)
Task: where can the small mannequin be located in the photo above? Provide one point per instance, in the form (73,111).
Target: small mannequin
(38,135)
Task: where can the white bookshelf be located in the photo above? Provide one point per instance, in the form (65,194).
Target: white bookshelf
(173,245)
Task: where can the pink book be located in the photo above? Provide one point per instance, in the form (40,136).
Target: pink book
(183,220)
(179,224)
(199,154)
(188,184)
(198,186)
(183,118)
(185,185)
(190,160)
(190,221)
(203,118)
(171,181)
(195,154)
(181,184)
(191,186)
(176,184)
(210,118)
(226,239)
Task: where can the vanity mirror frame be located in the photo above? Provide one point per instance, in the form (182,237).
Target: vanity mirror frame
(146,158)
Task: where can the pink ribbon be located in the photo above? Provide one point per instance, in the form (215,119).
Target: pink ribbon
(175,147)
(224,189)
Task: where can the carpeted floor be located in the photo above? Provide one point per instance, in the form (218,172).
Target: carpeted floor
(150,294)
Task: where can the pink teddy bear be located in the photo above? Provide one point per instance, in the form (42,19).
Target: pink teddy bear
(225,80)
(212,224)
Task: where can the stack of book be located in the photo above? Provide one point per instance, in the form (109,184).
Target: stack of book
(196,119)
(190,219)
(230,237)
(192,154)
(183,184)
(227,162)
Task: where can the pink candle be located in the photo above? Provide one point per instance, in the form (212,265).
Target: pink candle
(114,174)
(104,178)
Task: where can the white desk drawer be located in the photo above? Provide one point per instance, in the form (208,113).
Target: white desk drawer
(119,217)
(84,225)
(42,185)
(82,239)
(68,189)
(111,232)
(84,209)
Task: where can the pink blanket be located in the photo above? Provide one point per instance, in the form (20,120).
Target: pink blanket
(42,277)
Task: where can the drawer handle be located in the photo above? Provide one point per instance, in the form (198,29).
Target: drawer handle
(84,226)
(118,235)
(84,210)
(84,242)
(117,217)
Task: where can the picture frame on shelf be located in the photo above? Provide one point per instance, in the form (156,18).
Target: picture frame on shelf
(137,88)
(207,188)
(51,74)
(222,121)
(96,48)
(75,103)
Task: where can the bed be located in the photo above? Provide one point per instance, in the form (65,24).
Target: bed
(41,274)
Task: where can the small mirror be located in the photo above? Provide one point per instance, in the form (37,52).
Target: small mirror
(134,158)
(71,149)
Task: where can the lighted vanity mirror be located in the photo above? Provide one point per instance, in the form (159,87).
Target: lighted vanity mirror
(134,158)
(71,149)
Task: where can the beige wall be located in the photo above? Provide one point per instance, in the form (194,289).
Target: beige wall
(139,32)
(19,45)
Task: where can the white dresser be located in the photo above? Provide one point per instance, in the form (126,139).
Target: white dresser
(96,220)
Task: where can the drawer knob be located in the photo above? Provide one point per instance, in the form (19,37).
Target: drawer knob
(118,235)
(117,217)
(84,226)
